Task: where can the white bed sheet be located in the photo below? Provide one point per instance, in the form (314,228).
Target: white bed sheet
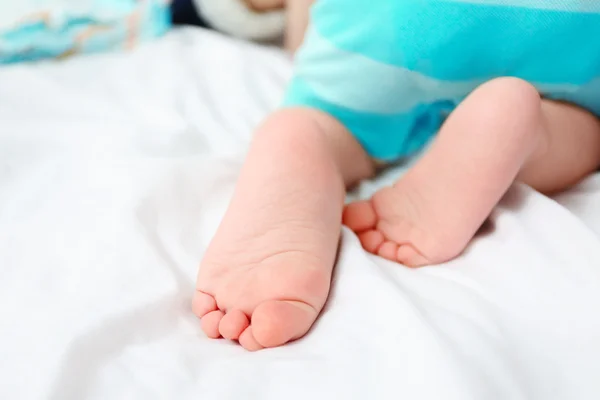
(114,172)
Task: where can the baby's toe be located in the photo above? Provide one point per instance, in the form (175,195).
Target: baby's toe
(233,324)
(410,257)
(203,303)
(276,322)
(359,216)
(388,250)
(247,340)
(371,240)
(210,324)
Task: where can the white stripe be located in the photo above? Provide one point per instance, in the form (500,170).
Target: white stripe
(357,82)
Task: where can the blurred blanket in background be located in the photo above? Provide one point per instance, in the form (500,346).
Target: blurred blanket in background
(36,29)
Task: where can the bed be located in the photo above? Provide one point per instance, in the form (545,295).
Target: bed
(114,172)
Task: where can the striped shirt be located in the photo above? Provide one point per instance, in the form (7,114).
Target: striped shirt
(391,70)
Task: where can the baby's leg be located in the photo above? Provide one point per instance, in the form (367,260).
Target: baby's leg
(266,274)
(571,150)
(501,132)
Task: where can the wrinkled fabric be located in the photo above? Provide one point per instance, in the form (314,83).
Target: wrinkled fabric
(114,174)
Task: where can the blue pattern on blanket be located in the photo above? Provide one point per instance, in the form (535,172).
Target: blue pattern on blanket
(41,29)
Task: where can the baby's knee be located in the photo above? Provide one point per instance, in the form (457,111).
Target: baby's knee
(512,97)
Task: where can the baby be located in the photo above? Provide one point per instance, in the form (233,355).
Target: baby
(509,88)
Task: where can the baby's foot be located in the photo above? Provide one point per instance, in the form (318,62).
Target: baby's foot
(405,223)
(432,213)
(261,285)
(266,275)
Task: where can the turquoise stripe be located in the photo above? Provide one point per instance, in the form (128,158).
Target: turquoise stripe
(391,70)
(356,82)
(464,41)
(586,96)
(390,137)
(384,137)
